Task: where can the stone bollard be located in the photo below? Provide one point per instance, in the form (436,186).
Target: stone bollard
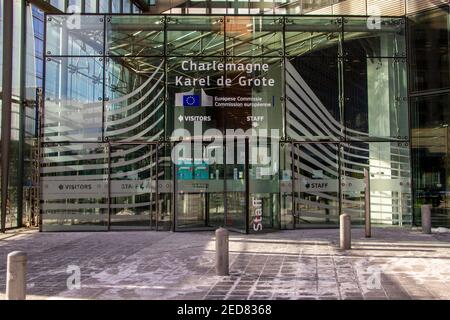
(345,231)
(222,252)
(16,276)
(426,219)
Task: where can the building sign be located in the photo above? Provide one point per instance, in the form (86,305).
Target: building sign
(86,189)
(246,79)
(318,185)
(257,205)
(131,187)
(90,187)
(79,189)
(185,170)
(243,81)
(330,185)
(201,171)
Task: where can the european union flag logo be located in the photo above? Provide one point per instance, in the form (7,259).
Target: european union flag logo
(191,101)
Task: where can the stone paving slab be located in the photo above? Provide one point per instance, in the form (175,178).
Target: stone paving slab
(301,264)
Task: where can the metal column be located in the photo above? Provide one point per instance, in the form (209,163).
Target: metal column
(6,104)
(22,111)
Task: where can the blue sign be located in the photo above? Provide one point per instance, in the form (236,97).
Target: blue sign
(185,172)
(201,171)
(191,101)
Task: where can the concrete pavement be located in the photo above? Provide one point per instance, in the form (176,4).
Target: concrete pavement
(302,264)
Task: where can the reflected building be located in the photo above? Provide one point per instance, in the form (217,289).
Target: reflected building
(256,116)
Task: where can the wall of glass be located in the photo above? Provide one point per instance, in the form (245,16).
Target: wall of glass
(95,6)
(322,99)
(430,92)
(14,189)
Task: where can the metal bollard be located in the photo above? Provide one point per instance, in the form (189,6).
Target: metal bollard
(426,219)
(16,276)
(222,252)
(345,231)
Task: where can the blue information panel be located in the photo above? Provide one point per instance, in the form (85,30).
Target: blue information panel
(201,170)
(185,170)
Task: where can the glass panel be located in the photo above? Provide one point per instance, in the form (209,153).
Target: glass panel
(306,36)
(59,4)
(135,91)
(254,36)
(429,54)
(354,160)
(126,6)
(77,35)
(264,183)
(215,169)
(115,6)
(165,187)
(316,185)
(192,86)
(90,6)
(74,187)
(286,194)
(135,36)
(376,99)
(312,92)
(430,152)
(103,6)
(253,98)
(74,6)
(74,99)
(235,175)
(14,160)
(133,182)
(388,164)
(380,37)
(199,196)
(195,36)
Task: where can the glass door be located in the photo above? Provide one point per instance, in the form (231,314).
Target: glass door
(199,186)
(210,186)
(133,175)
(236,171)
(316,184)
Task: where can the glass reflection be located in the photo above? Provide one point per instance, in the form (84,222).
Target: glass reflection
(74,99)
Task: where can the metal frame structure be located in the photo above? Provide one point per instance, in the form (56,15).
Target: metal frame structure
(6,116)
(6,106)
(284,140)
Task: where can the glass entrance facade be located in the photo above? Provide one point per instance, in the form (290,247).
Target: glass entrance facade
(255,123)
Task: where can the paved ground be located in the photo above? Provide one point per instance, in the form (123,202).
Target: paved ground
(304,264)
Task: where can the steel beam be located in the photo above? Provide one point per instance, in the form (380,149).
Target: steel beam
(142,4)
(6,105)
